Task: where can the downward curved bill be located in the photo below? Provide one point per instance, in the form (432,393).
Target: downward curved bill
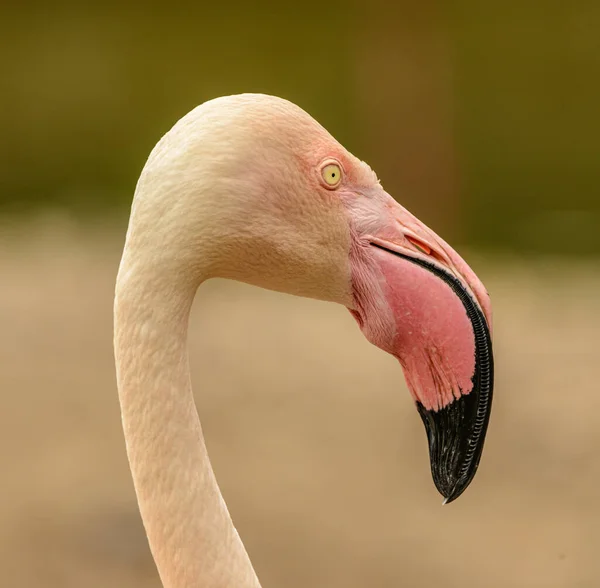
(427,308)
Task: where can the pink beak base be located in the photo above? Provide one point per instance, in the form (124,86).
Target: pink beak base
(426,317)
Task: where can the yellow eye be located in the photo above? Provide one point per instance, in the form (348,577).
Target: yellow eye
(332,174)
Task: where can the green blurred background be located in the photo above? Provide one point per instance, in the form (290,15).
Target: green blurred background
(482,118)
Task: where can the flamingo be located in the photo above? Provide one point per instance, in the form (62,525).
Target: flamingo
(251,188)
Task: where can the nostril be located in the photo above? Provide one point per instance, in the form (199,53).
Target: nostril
(422,247)
(426,249)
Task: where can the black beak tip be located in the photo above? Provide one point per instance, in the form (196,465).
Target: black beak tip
(451,488)
(456,435)
(452,491)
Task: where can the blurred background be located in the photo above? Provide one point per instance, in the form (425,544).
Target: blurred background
(481,118)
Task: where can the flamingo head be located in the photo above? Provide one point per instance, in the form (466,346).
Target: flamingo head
(286,207)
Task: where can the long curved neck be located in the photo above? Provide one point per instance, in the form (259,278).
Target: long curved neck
(190,532)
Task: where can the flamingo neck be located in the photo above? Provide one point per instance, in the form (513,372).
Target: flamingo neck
(191,535)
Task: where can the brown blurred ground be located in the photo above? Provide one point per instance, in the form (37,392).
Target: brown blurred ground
(317,447)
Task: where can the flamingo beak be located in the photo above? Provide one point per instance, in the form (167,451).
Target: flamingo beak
(417,299)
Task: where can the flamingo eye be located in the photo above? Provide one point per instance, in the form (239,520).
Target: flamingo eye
(332,175)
